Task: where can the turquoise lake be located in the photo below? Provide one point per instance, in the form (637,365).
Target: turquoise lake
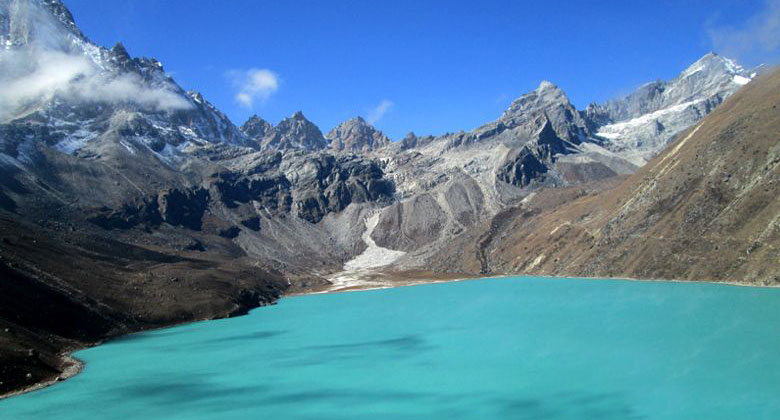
(524,348)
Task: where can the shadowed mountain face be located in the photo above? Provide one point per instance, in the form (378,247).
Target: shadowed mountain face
(112,151)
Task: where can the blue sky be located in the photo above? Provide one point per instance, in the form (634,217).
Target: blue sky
(423,66)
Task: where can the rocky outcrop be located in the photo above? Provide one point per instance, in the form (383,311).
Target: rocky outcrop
(184,207)
(521,168)
(358,136)
(294,133)
(327,184)
(256,128)
(263,185)
(176,207)
(146,212)
(551,102)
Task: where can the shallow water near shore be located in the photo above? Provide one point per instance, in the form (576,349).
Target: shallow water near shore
(530,348)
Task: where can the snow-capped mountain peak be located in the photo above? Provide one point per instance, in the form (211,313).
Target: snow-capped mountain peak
(54,77)
(640,124)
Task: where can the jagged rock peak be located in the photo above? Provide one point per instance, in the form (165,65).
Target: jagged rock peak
(121,57)
(42,22)
(409,141)
(256,128)
(295,133)
(546,95)
(357,135)
(546,85)
(63,14)
(712,63)
(119,50)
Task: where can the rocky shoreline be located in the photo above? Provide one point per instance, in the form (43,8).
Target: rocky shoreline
(74,367)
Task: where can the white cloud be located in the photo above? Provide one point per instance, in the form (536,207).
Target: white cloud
(756,40)
(379,111)
(31,78)
(254,84)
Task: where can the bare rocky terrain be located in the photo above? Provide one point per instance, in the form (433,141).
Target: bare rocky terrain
(707,208)
(123,213)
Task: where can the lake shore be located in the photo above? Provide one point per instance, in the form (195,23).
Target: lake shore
(389,279)
(73,367)
(365,281)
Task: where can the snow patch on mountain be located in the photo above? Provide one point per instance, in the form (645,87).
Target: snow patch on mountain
(741,80)
(75,141)
(619,130)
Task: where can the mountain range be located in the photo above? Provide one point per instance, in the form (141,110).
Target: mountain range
(127,202)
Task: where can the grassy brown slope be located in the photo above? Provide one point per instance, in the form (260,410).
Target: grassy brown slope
(708,208)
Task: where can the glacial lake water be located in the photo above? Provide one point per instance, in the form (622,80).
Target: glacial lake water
(524,348)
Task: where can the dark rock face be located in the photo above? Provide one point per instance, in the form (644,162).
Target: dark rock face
(13,136)
(173,206)
(195,245)
(252,223)
(184,208)
(230,233)
(521,168)
(249,299)
(549,144)
(356,135)
(328,183)
(533,161)
(272,192)
(146,212)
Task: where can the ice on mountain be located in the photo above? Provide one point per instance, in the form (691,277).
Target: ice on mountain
(740,80)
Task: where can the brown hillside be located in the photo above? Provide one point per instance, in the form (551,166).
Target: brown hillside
(707,208)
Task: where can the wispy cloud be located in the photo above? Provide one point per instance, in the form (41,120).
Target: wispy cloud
(755,40)
(30,78)
(253,84)
(379,111)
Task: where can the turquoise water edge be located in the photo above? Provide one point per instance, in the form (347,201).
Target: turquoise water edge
(522,347)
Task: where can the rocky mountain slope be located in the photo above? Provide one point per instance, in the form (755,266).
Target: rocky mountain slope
(135,203)
(707,208)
